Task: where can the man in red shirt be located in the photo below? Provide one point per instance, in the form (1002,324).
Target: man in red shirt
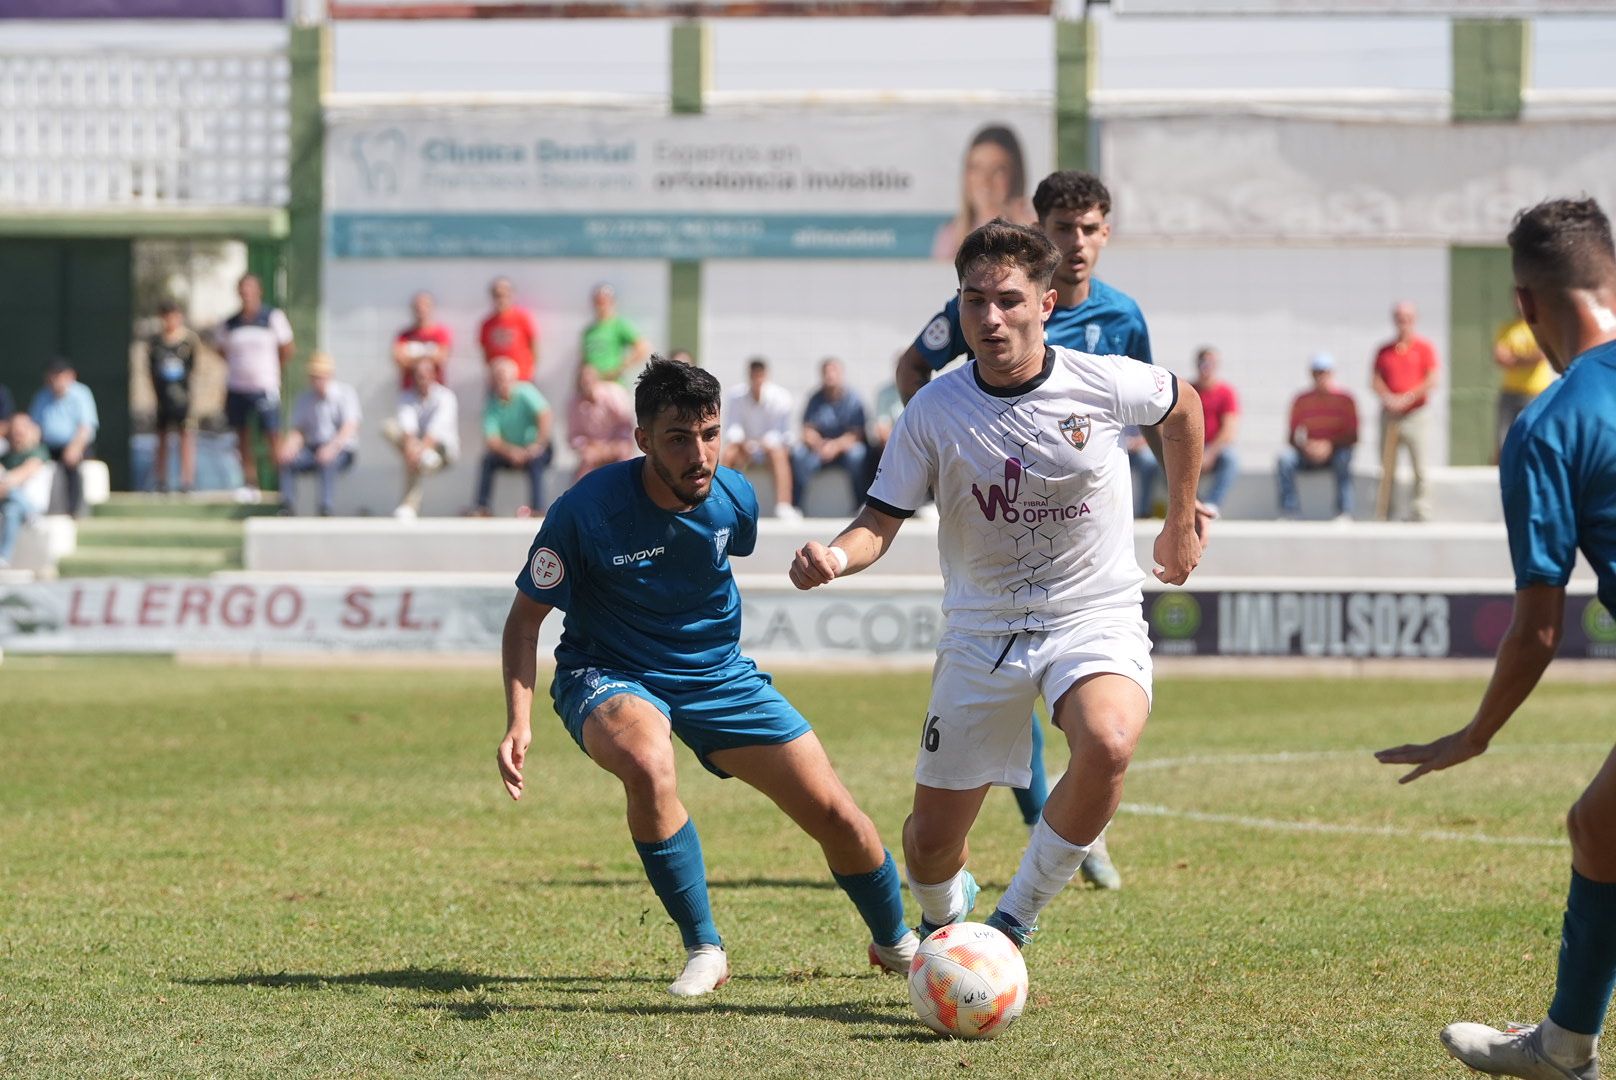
(1324,429)
(1221,407)
(510,332)
(424,339)
(1405,372)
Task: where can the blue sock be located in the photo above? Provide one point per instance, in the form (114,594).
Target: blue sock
(1587,957)
(1031,798)
(679,877)
(878,895)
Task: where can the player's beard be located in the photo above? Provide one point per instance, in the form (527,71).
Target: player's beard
(684,490)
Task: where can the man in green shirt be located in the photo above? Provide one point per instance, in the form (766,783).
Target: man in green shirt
(19,465)
(516,435)
(611,344)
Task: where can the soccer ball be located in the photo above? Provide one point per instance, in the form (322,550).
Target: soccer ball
(968,980)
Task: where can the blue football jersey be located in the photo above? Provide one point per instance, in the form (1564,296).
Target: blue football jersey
(646,591)
(1558,473)
(1108,323)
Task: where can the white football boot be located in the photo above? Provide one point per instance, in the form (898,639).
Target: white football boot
(1515,1051)
(706,969)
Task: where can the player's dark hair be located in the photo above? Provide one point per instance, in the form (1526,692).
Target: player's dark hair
(1563,244)
(756,364)
(692,392)
(1004,243)
(1070,189)
(167,307)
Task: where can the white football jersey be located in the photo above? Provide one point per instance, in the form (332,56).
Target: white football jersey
(1032,486)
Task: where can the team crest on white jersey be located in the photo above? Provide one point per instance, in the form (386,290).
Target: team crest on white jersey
(720,542)
(1091,339)
(1076,430)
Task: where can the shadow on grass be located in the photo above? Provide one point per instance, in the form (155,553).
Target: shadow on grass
(838,1013)
(433,980)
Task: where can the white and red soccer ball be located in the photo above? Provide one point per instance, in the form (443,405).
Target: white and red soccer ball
(968,980)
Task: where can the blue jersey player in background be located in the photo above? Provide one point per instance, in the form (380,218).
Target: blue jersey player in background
(637,556)
(1090,316)
(1558,472)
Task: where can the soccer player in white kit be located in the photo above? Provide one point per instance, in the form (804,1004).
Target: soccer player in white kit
(1042,593)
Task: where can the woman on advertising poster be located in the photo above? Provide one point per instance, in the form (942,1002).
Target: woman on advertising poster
(994,185)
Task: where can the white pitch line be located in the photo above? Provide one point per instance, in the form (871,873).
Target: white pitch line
(1325,827)
(1280,825)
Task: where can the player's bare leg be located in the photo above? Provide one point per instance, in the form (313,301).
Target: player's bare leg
(1566,1043)
(1102,717)
(935,849)
(800,780)
(780,464)
(249,463)
(631,739)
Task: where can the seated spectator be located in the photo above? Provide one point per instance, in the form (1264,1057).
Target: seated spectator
(757,429)
(888,407)
(1221,407)
(65,411)
(1324,429)
(425,429)
(600,421)
(1143,467)
(323,437)
(516,435)
(424,339)
(171,357)
(8,409)
(18,466)
(832,433)
(611,344)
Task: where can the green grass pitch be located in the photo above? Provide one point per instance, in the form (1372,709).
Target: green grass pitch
(290,873)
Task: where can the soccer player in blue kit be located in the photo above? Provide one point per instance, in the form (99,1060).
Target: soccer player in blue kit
(1090,316)
(637,556)
(1558,473)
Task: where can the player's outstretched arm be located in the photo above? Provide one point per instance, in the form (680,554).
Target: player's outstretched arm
(519,651)
(1182,434)
(1528,646)
(865,540)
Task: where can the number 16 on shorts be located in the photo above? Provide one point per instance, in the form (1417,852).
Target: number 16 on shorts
(930,737)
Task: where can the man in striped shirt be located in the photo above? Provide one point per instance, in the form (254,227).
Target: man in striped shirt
(1324,429)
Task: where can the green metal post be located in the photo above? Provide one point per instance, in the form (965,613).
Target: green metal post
(1489,68)
(310,55)
(1074,83)
(691,46)
(1481,300)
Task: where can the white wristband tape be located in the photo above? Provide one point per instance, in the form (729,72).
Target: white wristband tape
(841,560)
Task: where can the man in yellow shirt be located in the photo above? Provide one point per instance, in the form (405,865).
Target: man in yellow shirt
(1525,374)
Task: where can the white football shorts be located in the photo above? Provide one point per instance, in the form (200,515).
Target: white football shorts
(979,723)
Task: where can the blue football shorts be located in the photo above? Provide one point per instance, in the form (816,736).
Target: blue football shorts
(737,706)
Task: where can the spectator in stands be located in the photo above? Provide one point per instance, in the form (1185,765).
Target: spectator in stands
(833,433)
(8,409)
(324,435)
(757,429)
(425,429)
(65,411)
(424,339)
(256,344)
(600,421)
(1524,374)
(171,358)
(611,344)
(509,332)
(1323,432)
(1405,372)
(1221,407)
(19,465)
(516,434)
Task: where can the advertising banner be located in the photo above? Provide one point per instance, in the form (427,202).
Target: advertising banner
(1205,178)
(684,9)
(786,183)
(900,624)
(142,9)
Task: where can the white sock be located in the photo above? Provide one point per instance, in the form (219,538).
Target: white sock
(1569,1048)
(942,903)
(1047,865)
